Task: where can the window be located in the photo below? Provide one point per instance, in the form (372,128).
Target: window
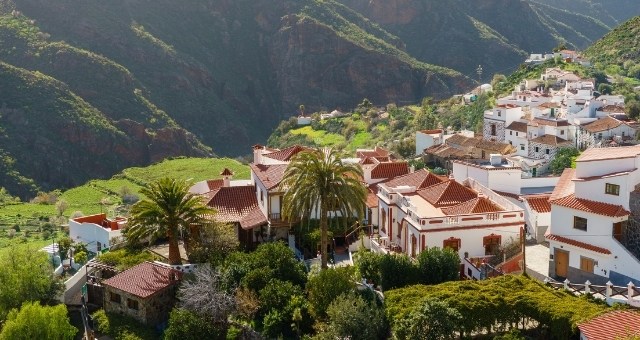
(499,114)
(98,246)
(516,134)
(562,132)
(522,147)
(537,149)
(453,243)
(586,264)
(261,196)
(114,297)
(612,189)
(580,223)
(132,304)
(491,244)
(493,130)
(510,133)
(510,142)
(546,151)
(384,221)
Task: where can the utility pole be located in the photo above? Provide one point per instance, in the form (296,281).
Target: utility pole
(524,249)
(479,71)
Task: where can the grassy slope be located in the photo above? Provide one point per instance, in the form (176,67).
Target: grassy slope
(618,46)
(87,198)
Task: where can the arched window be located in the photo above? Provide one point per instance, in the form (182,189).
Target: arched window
(453,243)
(491,244)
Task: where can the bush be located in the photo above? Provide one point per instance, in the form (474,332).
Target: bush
(434,320)
(437,265)
(397,271)
(324,287)
(353,317)
(121,327)
(125,258)
(367,266)
(34,321)
(185,325)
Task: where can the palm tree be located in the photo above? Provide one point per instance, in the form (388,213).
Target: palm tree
(168,210)
(317,179)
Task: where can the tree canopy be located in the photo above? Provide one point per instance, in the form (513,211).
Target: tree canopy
(34,321)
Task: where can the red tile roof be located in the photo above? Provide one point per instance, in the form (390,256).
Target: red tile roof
(612,109)
(578,244)
(618,324)
(286,154)
(508,195)
(372,198)
(518,126)
(376,152)
(602,124)
(237,205)
(269,175)
(444,150)
(550,140)
(419,179)
(595,154)
(539,203)
(226,172)
(144,280)
(565,185)
(550,122)
(477,205)
(431,132)
(214,184)
(389,170)
(594,207)
(447,194)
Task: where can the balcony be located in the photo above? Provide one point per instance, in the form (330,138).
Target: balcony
(276,220)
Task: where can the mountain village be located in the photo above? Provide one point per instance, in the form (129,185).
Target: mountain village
(497,206)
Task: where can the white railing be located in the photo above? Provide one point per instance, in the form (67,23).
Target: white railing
(629,295)
(466,220)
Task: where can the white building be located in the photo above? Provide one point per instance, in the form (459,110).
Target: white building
(426,139)
(593,234)
(97,231)
(422,210)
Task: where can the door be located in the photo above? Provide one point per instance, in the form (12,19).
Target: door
(562,262)
(618,231)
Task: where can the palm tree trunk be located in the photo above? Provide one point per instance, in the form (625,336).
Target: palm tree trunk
(323,234)
(174,250)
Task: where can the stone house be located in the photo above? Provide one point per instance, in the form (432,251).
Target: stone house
(145,292)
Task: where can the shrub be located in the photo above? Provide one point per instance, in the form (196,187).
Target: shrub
(353,317)
(324,287)
(185,325)
(434,320)
(121,327)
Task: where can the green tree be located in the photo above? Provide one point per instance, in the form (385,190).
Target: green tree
(437,265)
(80,257)
(26,275)
(64,245)
(317,179)
(61,206)
(605,88)
(325,286)
(564,159)
(212,243)
(168,210)
(434,320)
(397,271)
(367,265)
(34,321)
(186,325)
(353,317)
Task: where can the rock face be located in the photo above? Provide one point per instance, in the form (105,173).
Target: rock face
(313,65)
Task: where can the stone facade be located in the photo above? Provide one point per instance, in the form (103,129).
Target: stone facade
(542,150)
(153,310)
(491,126)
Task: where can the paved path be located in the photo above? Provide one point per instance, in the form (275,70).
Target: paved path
(537,260)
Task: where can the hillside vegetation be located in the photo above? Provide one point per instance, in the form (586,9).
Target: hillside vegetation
(114,194)
(620,46)
(190,78)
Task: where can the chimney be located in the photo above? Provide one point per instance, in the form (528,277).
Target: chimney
(226,177)
(257,154)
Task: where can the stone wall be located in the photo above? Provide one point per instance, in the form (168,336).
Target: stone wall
(541,150)
(500,130)
(151,311)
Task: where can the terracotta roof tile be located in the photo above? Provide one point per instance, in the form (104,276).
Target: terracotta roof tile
(490,145)
(612,109)
(214,184)
(578,244)
(461,140)
(618,324)
(447,194)
(477,205)
(594,154)
(550,122)
(377,152)
(286,154)
(389,170)
(508,195)
(269,175)
(237,205)
(419,179)
(444,150)
(226,172)
(550,140)
(143,280)
(602,124)
(431,132)
(600,208)
(372,198)
(565,185)
(539,203)
(518,126)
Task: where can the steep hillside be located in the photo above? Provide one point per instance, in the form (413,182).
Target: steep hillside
(610,12)
(620,45)
(496,34)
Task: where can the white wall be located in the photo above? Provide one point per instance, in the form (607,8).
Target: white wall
(91,234)
(599,228)
(424,141)
(595,190)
